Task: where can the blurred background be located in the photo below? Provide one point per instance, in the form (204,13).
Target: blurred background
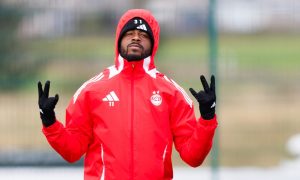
(255,49)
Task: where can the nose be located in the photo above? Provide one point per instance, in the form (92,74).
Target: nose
(136,36)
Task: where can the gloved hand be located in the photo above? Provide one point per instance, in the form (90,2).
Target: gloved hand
(206,98)
(47,105)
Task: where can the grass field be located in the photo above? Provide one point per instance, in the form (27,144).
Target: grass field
(258,89)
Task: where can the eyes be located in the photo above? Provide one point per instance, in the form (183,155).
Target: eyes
(141,34)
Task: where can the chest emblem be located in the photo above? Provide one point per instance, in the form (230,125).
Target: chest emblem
(156,99)
(111,98)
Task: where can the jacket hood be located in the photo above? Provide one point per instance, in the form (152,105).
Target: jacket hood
(149,18)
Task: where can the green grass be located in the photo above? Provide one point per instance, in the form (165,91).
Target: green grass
(257,51)
(72,48)
(177,56)
(264,51)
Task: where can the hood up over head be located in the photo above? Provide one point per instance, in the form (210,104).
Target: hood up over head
(150,26)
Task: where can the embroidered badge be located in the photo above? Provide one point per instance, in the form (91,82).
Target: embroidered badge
(156,99)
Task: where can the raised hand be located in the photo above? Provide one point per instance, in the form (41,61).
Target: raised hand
(206,98)
(47,104)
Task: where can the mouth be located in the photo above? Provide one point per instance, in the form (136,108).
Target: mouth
(135,45)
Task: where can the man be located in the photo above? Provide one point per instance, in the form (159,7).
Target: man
(125,119)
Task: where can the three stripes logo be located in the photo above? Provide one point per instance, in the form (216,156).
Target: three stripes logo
(111,98)
(142,27)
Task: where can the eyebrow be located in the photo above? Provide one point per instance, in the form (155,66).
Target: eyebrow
(142,32)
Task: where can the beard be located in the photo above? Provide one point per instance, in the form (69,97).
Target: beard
(134,57)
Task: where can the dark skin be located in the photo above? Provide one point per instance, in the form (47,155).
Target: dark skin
(135,45)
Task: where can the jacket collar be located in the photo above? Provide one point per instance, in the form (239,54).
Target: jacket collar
(138,68)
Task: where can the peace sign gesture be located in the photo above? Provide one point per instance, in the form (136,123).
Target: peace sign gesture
(206,98)
(47,104)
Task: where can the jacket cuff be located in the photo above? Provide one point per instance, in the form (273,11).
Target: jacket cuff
(209,122)
(52,128)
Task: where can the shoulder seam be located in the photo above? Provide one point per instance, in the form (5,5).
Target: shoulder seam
(92,80)
(181,90)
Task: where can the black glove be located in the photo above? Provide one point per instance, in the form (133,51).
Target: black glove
(47,104)
(206,98)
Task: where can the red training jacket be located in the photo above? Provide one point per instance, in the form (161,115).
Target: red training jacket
(125,121)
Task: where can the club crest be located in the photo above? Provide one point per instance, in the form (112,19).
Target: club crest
(156,99)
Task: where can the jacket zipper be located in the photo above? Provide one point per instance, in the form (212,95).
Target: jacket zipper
(165,152)
(102,158)
(131,125)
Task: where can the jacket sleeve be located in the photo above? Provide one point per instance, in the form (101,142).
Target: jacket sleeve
(193,138)
(71,141)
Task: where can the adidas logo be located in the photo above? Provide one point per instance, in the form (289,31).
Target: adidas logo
(213,105)
(142,27)
(111,98)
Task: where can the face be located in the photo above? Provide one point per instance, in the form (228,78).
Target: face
(135,45)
